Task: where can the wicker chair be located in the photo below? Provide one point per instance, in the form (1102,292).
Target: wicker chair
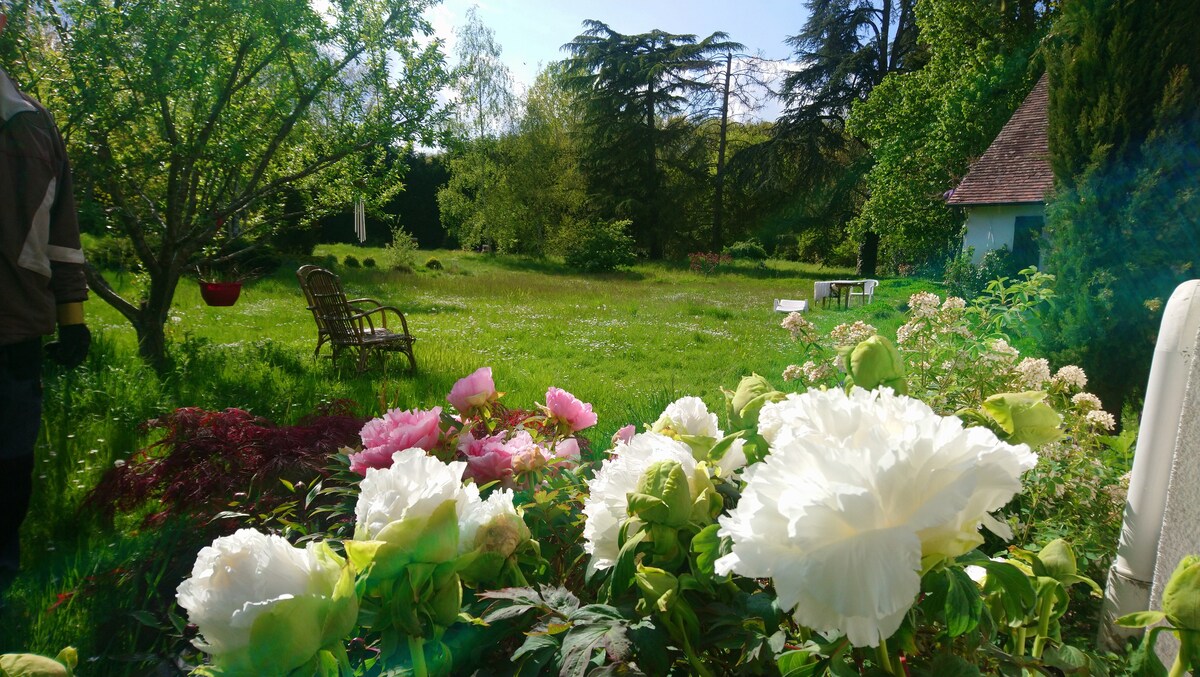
(359,326)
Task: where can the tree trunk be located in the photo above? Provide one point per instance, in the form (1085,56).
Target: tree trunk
(868,255)
(152,345)
(719,188)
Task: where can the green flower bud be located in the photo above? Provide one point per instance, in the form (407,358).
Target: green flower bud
(659,588)
(876,362)
(1181,595)
(663,495)
(32,665)
(1058,560)
(744,404)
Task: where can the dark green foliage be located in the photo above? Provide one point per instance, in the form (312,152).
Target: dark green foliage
(1110,65)
(603,248)
(114,252)
(746,250)
(925,127)
(631,89)
(368,262)
(1124,228)
(966,279)
(434,264)
(351,261)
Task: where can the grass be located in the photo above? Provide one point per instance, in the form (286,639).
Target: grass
(628,342)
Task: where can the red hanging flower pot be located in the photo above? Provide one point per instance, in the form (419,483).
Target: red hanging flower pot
(220,293)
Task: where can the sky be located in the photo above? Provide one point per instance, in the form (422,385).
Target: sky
(530,32)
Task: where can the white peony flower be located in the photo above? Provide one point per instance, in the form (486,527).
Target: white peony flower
(606,506)
(855,491)
(412,488)
(498,509)
(688,416)
(262,604)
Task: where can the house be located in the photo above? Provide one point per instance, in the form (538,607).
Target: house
(1005,191)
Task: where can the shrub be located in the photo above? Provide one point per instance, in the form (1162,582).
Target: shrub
(368,262)
(114,252)
(966,279)
(433,264)
(746,250)
(351,261)
(706,263)
(602,248)
(398,254)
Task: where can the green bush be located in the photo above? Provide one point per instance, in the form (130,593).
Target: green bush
(368,262)
(967,280)
(433,264)
(602,248)
(351,261)
(746,250)
(398,254)
(114,252)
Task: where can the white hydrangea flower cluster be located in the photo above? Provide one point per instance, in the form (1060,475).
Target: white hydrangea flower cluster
(1032,372)
(1086,402)
(1070,378)
(924,304)
(846,334)
(797,326)
(1101,419)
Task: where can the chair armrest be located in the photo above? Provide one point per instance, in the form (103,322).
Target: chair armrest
(381,311)
(373,302)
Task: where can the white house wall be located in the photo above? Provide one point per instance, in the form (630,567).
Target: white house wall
(991,226)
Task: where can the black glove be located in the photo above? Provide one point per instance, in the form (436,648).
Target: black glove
(72,345)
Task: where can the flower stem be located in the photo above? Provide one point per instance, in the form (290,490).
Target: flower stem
(885,658)
(416,646)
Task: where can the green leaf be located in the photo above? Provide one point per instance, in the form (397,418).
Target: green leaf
(706,546)
(797,664)
(622,572)
(1024,417)
(1140,619)
(1067,658)
(602,633)
(964,606)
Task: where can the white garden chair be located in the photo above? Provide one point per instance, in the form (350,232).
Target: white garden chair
(867,295)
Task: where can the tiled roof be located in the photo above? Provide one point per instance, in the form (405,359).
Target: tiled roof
(1015,169)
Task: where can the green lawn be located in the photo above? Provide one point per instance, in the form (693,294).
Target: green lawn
(629,343)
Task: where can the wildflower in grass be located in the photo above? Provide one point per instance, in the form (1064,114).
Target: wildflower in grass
(1069,378)
(395,431)
(263,606)
(565,408)
(1101,419)
(606,506)
(797,326)
(1086,402)
(851,334)
(1033,372)
(793,372)
(473,391)
(817,372)
(831,515)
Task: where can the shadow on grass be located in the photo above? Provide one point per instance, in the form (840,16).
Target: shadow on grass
(528,264)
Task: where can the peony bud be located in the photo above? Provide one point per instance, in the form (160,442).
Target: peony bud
(876,362)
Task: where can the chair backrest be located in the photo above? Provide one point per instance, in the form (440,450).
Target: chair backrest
(869,286)
(328,303)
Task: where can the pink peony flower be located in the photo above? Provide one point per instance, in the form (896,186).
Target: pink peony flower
(568,449)
(489,458)
(624,434)
(473,391)
(396,431)
(565,407)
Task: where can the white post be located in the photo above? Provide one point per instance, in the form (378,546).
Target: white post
(1130,578)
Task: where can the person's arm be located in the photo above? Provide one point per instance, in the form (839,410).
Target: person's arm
(67,278)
